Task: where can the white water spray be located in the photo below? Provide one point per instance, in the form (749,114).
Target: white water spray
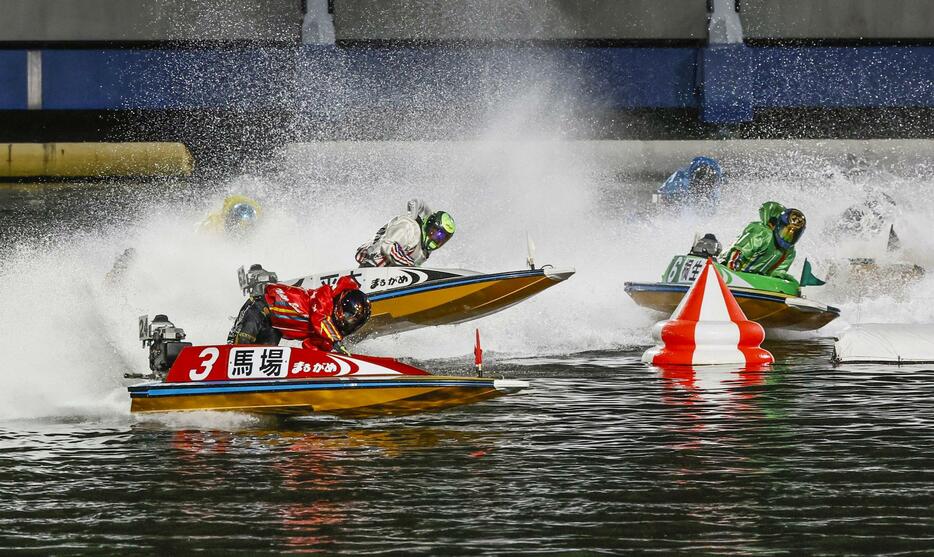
(68,337)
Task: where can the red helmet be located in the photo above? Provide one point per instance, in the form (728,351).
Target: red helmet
(351,311)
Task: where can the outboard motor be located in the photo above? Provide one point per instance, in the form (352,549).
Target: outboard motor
(165,342)
(708,246)
(254,281)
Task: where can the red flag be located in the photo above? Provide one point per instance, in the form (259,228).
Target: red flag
(478,353)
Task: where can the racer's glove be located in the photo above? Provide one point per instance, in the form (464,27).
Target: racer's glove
(337,346)
(364,259)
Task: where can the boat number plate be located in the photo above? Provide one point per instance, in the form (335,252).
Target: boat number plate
(684,269)
(258,363)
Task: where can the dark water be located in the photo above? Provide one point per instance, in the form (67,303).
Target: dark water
(600,455)
(35,210)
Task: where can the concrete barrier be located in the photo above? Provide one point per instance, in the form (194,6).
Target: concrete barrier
(280,21)
(492,20)
(274,21)
(467,20)
(74,160)
(838,19)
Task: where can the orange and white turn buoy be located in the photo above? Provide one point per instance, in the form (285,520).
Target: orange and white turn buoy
(708,327)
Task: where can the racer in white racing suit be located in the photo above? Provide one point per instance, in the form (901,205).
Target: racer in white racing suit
(409,239)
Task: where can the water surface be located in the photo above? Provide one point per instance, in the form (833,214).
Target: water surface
(601,454)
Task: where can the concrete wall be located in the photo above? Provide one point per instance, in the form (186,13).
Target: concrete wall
(446,20)
(151,20)
(626,19)
(838,19)
(456,20)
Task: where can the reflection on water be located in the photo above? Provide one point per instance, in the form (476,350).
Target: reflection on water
(601,454)
(709,395)
(305,472)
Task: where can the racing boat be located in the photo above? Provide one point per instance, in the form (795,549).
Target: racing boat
(288,381)
(769,301)
(406,298)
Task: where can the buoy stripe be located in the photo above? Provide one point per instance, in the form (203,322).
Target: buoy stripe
(718,342)
(713,308)
(732,306)
(690,306)
(708,329)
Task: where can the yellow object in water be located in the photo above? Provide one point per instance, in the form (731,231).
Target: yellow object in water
(81,160)
(217,221)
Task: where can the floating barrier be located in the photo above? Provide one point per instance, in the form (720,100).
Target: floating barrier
(91,160)
(885,343)
(708,327)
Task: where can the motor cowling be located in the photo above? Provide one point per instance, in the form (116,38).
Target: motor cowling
(706,246)
(165,341)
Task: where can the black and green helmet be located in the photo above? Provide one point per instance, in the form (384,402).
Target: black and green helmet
(437,230)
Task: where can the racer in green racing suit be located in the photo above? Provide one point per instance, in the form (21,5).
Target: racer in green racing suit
(767,247)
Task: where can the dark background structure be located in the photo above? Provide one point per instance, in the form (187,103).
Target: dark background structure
(235,77)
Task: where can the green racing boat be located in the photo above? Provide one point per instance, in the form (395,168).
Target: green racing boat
(773,303)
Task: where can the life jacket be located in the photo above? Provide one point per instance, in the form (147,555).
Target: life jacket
(289,309)
(306,315)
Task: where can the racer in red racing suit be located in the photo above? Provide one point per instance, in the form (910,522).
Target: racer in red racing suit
(320,318)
